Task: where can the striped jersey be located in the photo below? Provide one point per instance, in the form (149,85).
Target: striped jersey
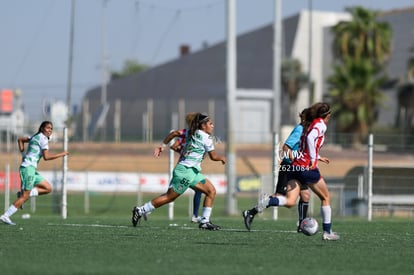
(195,148)
(310,143)
(37,144)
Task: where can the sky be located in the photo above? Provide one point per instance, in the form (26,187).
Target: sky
(35,37)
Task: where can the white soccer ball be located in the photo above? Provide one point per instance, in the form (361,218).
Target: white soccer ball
(309,226)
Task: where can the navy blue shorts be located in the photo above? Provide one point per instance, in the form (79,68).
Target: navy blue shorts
(304,176)
(285,168)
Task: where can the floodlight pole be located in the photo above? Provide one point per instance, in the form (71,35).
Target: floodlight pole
(277,102)
(231,61)
(68,111)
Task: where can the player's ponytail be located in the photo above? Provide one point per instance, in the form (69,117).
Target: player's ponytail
(199,119)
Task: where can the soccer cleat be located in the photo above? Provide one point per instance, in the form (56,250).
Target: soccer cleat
(263,203)
(195,219)
(248,218)
(330,236)
(136,215)
(209,226)
(6,220)
(299,230)
(19,194)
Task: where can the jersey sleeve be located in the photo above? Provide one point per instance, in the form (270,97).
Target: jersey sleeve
(44,143)
(311,141)
(208,143)
(294,138)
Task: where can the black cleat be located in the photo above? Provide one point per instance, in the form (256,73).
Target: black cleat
(209,226)
(248,218)
(136,215)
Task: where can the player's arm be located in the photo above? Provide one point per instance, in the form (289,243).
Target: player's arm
(48,156)
(21,141)
(213,156)
(311,139)
(167,139)
(176,147)
(289,150)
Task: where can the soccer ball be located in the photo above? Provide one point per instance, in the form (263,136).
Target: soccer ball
(309,226)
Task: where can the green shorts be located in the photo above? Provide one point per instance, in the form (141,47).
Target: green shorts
(29,177)
(185,177)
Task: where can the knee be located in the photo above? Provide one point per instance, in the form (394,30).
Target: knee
(305,196)
(48,189)
(211,191)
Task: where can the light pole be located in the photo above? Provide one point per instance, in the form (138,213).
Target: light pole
(231,203)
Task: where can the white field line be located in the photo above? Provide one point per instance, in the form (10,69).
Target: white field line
(184,227)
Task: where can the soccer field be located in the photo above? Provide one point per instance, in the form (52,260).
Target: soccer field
(107,243)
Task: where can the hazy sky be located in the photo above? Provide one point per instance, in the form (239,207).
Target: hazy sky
(35,37)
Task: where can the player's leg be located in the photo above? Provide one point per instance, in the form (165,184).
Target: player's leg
(205,186)
(321,190)
(281,187)
(303,205)
(196,206)
(181,180)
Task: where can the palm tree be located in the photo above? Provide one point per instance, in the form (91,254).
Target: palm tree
(293,79)
(361,47)
(406,96)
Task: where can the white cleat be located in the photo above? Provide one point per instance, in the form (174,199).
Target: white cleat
(195,219)
(263,203)
(6,220)
(330,236)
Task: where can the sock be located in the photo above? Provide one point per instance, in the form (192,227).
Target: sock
(206,214)
(277,201)
(326,218)
(196,203)
(148,207)
(253,211)
(12,209)
(302,210)
(34,192)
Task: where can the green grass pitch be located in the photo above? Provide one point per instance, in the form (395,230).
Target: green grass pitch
(104,242)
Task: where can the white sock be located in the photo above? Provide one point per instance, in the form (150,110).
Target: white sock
(12,209)
(206,214)
(282,200)
(326,213)
(148,207)
(34,192)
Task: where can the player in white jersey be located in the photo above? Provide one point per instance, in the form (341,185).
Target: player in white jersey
(187,172)
(32,183)
(178,147)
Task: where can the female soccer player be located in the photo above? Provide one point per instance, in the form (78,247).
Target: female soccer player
(187,172)
(290,151)
(305,171)
(178,147)
(32,183)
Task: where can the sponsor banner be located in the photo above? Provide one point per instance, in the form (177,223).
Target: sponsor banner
(125,182)
(14,180)
(121,182)
(249,184)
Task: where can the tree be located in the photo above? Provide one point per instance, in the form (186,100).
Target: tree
(406,96)
(361,48)
(130,67)
(293,79)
